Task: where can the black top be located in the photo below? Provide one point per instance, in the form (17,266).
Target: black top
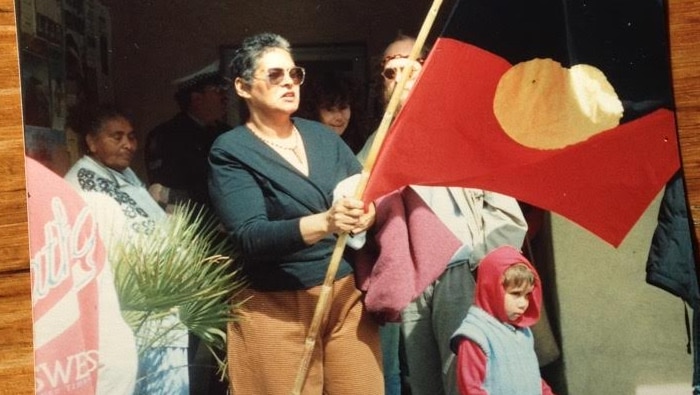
(260,198)
(176,156)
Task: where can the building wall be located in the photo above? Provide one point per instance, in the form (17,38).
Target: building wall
(620,335)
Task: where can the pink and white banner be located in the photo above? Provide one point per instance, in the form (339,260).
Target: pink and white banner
(73,295)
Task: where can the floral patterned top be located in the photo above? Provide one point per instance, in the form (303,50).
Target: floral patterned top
(138,207)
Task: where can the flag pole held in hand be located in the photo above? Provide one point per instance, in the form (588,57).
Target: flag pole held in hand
(324,296)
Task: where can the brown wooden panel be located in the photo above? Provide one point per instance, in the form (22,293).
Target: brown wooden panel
(16,363)
(12,184)
(685,60)
(13,247)
(11,165)
(16,368)
(13,205)
(13,221)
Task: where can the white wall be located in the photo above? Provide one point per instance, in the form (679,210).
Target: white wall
(620,335)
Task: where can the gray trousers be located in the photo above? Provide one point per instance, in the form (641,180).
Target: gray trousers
(428,322)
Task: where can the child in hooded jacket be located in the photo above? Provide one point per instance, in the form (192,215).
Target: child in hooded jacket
(494,344)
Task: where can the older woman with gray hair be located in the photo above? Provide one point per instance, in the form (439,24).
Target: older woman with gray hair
(272,181)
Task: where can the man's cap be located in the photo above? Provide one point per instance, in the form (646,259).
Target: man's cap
(208,75)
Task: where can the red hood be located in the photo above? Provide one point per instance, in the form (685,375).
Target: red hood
(490,294)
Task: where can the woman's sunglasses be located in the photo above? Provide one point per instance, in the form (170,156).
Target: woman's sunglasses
(276,75)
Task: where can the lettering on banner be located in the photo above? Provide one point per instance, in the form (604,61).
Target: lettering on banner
(68,252)
(67,374)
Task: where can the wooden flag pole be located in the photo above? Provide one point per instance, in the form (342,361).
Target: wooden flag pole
(396,99)
(327,287)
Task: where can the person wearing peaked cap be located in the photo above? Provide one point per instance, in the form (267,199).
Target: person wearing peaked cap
(176,150)
(177,167)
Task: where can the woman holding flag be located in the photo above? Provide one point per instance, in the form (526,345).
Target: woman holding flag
(272,184)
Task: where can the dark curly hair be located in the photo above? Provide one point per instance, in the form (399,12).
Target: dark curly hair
(326,91)
(246,57)
(88,119)
(329,90)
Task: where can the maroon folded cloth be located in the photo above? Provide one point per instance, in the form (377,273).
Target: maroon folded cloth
(407,249)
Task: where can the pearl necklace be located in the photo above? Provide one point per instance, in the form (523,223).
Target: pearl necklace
(295,149)
(292,147)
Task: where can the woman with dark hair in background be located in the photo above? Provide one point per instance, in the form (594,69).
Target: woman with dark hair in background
(332,99)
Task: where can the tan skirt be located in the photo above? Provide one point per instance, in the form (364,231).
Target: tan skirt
(265,347)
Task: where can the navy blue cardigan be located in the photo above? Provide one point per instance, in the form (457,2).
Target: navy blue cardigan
(260,198)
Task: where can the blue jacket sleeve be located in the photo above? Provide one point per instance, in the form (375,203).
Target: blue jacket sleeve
(240,203)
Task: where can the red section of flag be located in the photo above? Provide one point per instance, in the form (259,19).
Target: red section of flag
(447,134)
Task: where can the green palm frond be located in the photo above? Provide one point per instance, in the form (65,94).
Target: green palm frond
(183,267)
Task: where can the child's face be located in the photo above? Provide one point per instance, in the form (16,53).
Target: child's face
(516,301)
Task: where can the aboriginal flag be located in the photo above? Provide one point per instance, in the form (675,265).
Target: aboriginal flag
(563,104)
